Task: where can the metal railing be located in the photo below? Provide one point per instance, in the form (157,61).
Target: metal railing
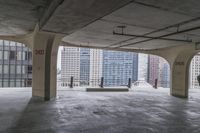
(104,82)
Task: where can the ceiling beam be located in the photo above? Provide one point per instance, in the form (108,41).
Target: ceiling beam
(149,37)
(49,12)
(166,35)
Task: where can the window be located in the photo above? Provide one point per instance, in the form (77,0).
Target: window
(18,44)
(12,69)
(1,55)
(29,83)
(12,55)
(18,83)
(6,43)
(29,69)
(6,55)
(23,69)
(0,82)
(18,69)
(29,56)
(5,69)
(19,55)
(12,43)
(1,42)
(0,69)
(12,83)
(24,56)
(23,83)
(5,83)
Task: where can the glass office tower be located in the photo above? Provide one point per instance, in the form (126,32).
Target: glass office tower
(15,64)
(84,66)
(118,67)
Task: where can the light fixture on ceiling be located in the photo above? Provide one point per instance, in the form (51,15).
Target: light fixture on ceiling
(121,27)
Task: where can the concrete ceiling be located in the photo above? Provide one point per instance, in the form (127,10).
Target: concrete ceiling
(20,16)
(71,15)
(149,24)
(154,18)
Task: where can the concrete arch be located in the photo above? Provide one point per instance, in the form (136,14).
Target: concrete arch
(180,72)
(44,48)
(148,52)
(24,39)
(180,58)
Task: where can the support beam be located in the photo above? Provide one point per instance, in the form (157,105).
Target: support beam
(45,48)
(49,12)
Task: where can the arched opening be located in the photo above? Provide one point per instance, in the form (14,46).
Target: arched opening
(153,72)
(15,65)
(84,67)
(159,69)
(194,72)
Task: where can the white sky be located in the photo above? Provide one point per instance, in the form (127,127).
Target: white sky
(59,58)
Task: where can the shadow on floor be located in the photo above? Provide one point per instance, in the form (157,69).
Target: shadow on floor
(37,117)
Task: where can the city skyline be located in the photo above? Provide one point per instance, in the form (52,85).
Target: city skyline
(116,67)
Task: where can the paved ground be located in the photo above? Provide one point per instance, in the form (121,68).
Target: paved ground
(139,111)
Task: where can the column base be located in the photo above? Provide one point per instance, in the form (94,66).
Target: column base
(179,96)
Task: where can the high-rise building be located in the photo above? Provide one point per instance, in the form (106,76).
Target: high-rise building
(95,66)
(158,68)
(15,64)
(84,66)
(143,67)
(70,66)
(194,71)
(164,73)
(75,62)
(135,67)
(153,69)
(117,68)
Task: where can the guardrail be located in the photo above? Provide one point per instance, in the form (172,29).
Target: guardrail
(104,82)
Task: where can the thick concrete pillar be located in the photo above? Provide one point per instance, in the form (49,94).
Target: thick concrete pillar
(179,59)
(180,76)
(45,48)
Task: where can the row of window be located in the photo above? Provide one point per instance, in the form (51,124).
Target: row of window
(16,83)
(15,69)
(15,55)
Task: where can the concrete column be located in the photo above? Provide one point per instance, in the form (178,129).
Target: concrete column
(45,48)
(180,76)
(179,59)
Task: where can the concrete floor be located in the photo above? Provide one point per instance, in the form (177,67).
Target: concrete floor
(139,111)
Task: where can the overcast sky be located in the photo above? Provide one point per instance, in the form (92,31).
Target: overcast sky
(59,58)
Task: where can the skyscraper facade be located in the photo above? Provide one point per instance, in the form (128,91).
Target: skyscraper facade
(194,71)
(84,66)
(70,66)
(117,68)
(153,69)
(135,67)
(143,67)
(96,63)
(164,73)
(15,65)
